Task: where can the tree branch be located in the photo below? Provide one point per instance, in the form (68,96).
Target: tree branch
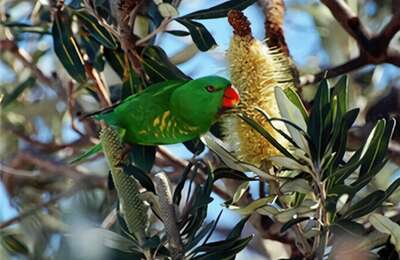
(43,205)
(26,60)
(351,65)
(348,20)
(374,49)
(391,28)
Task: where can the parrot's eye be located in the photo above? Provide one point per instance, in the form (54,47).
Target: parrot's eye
(210,88)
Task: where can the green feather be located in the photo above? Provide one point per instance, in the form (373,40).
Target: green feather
(168,112)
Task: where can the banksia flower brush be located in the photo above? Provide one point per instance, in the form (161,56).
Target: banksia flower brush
(255,70)
(127,188)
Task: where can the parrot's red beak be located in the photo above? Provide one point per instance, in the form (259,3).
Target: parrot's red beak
(231,97)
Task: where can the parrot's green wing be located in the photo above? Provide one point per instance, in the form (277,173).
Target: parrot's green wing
(147,117)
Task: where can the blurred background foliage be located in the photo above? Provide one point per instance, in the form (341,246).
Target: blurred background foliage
(57,205)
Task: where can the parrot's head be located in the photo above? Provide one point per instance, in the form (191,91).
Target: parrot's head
(199,102)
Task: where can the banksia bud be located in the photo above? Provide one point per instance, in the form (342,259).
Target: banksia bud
(255,71)
(168,214)
(127,188)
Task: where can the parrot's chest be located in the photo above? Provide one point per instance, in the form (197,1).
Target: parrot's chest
(164,128)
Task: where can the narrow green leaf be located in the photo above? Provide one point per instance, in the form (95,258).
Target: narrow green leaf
(292,222)
(341,93)
(231,174)
(296,100)
(143,156)
(392,188)
(196,146)
(240,191)
(377,146)
(26,28)
(178,190)
(290,112)
(237,229)
(347,228)
(67,49)
(116,60)
(366,205)
(178,33)
(96,30)
(17,91)
(366,178)
(214,226)
(13,242)
(92,151)
(199,236)
(267,136)
(249,209)
(318,116)
(200,35)
(114,240)
(385,225)
(220,10)
(296,185)
(141,176)
(159,67)
(220,246)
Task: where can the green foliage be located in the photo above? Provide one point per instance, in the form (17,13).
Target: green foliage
(320,159)
(321,189)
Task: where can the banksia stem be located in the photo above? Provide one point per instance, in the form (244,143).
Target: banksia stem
(255,71)
(127,187)
(168,214)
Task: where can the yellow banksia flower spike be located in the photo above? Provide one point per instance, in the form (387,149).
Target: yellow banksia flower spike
(255,70)
(135,212)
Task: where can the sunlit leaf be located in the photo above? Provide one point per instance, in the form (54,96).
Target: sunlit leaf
(85,155)
(240,191)
(96,30)
(296,185)
(220,10)
(17,91)
(249,209)
(292,222)
(319,113)
(159,67)
(67,49)
(167,10)
(386,226)
(200,35)
(290,112)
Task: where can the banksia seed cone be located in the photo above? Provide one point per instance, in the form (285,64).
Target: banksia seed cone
(127,188)
(168,215)
(255,71)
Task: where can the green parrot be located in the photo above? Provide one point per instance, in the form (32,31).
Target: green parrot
(170,112)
